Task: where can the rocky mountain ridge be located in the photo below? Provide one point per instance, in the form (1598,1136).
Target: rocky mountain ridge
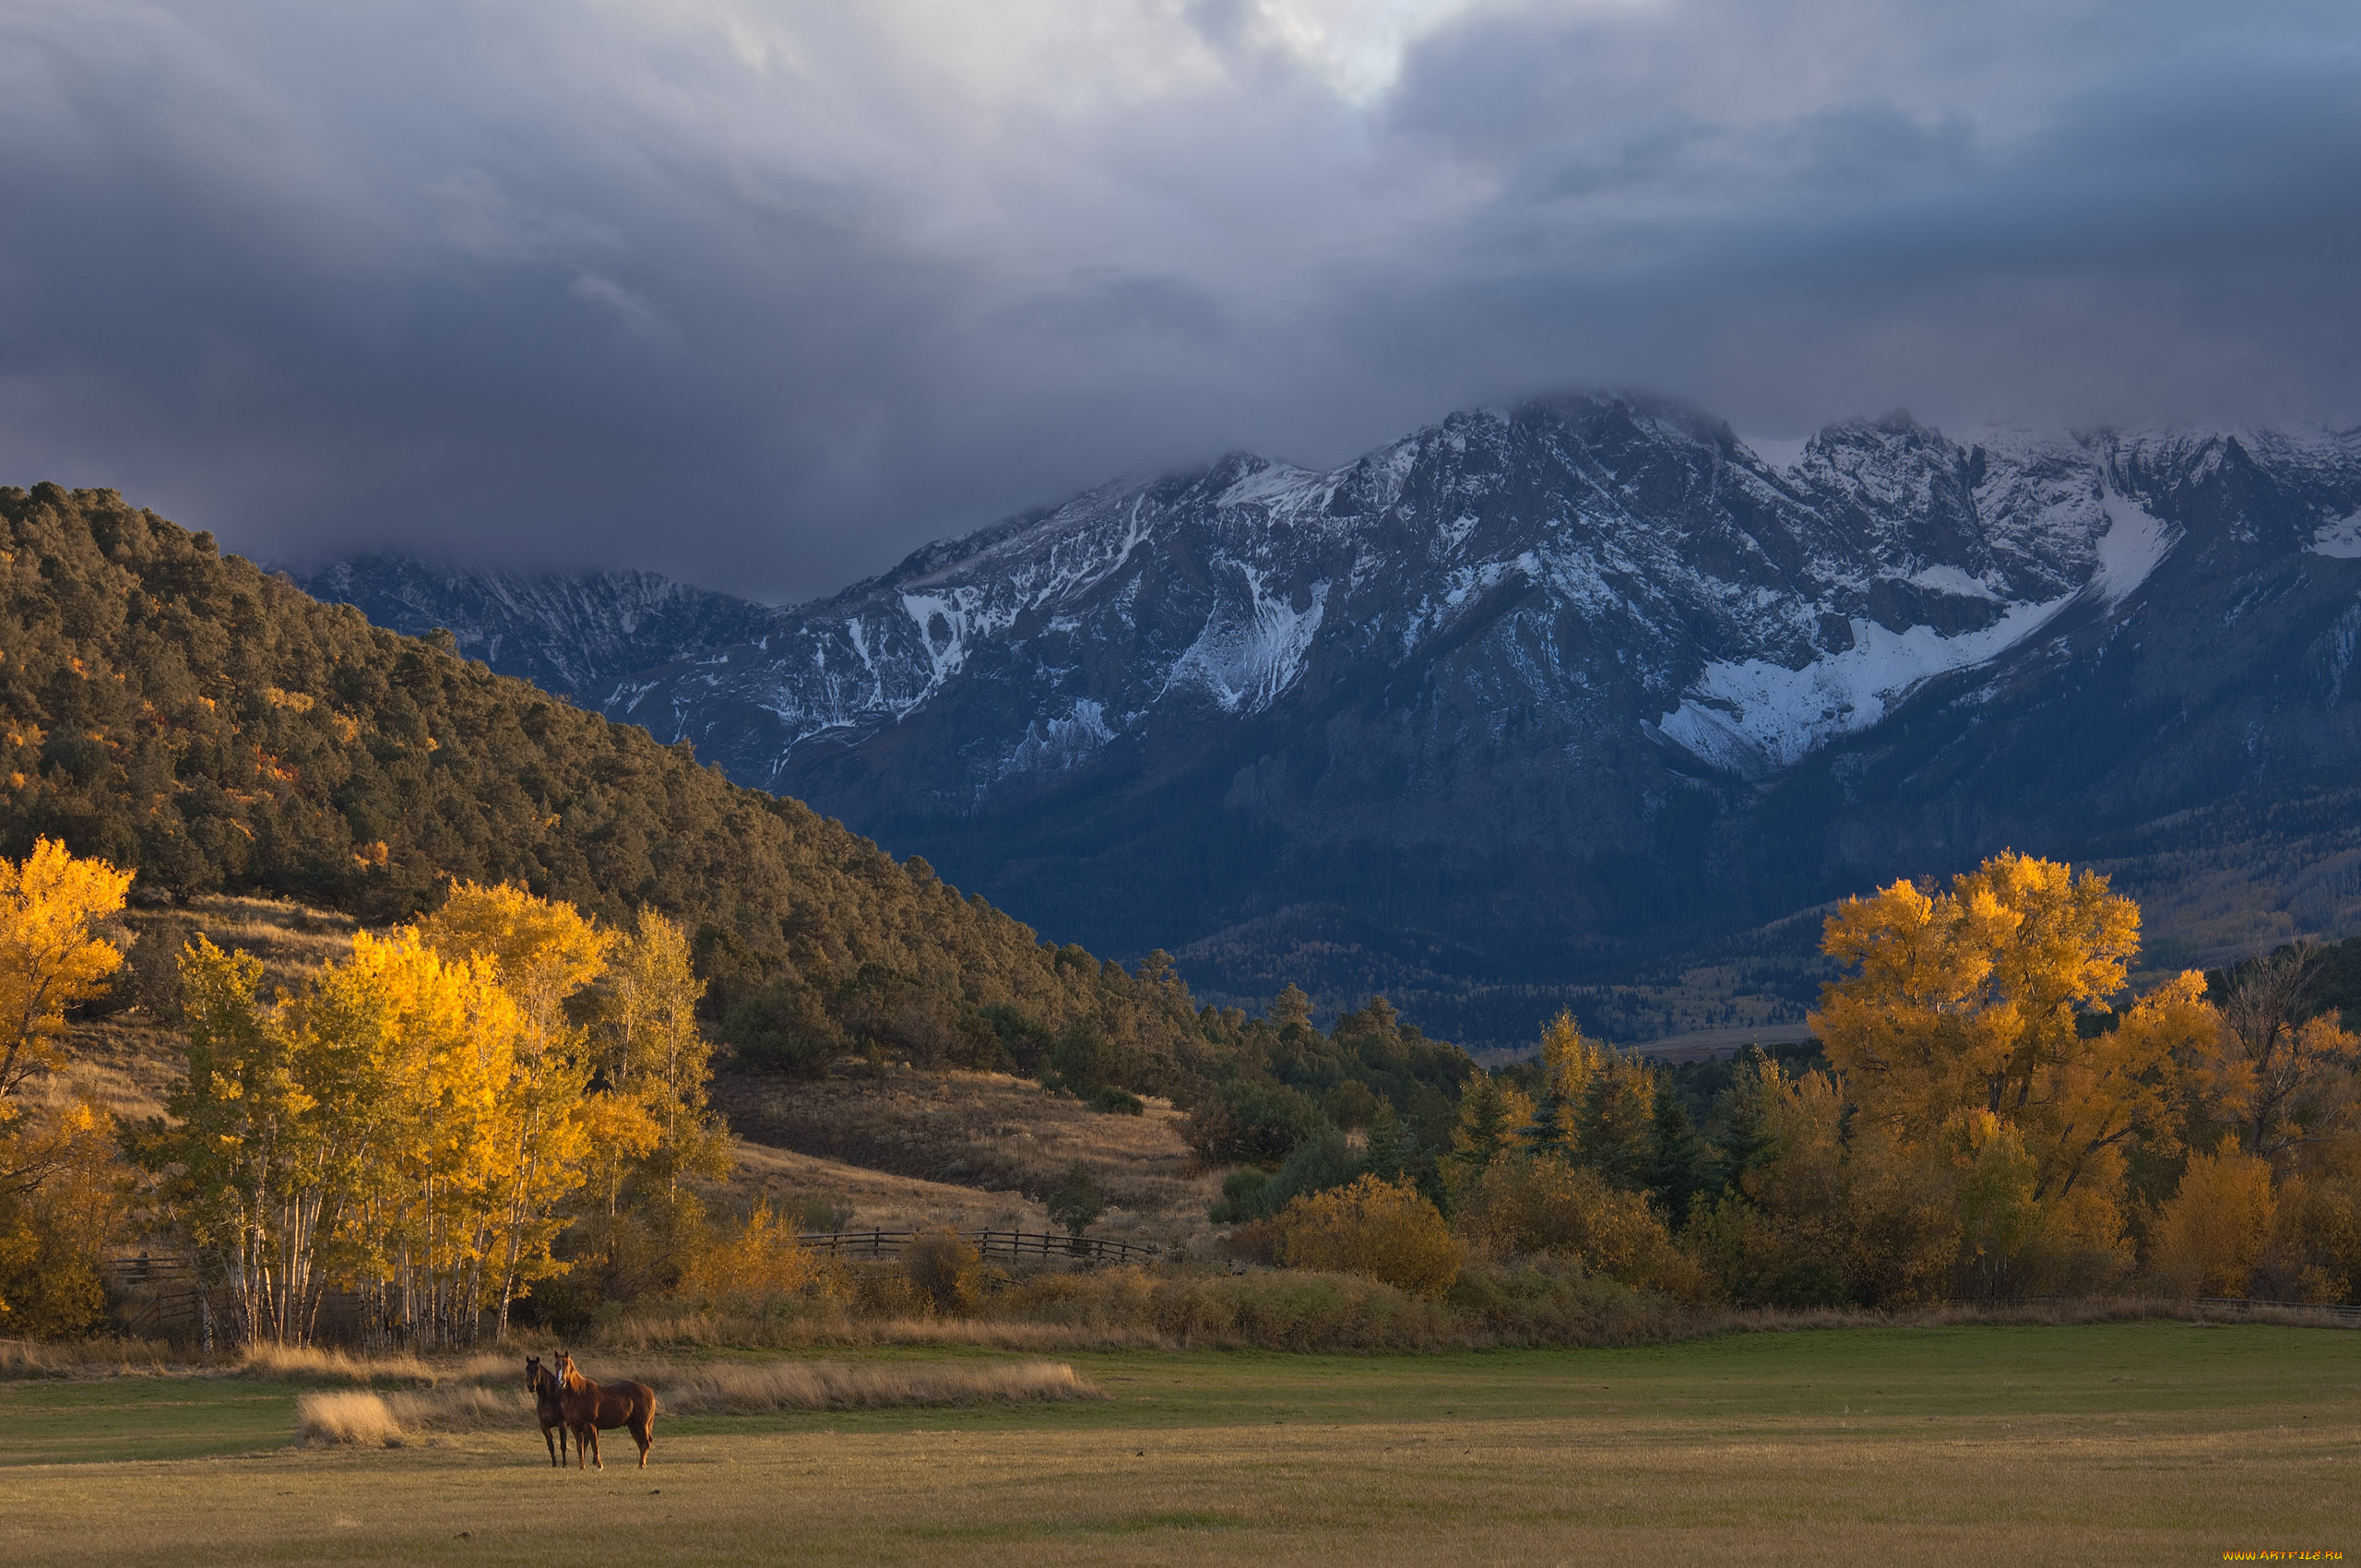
(1529,694)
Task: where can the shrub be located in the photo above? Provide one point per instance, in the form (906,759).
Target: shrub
(1322,1160)
(763,1259)
(1241,1197)
(944,1271)
(1084,1060)
(1350,1104)
(1245,1122)
(1382,1231)
(785,1030)
(819,1212)
(1113,1102)
(1300,1312)
(1077,1203)
(1546,1300)
(1520,1207)
(2212,1232)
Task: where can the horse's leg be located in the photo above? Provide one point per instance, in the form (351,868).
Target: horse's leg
(643,1429)
(550,1438)
(581,1447)
(590,1430)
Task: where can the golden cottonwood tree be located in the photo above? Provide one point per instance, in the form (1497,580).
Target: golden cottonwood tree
(1964,1024)
(1383,1230)
(2277,1080)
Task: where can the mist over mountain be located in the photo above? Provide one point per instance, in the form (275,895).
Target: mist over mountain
(1536,703)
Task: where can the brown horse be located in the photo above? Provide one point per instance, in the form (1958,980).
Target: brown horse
(588,1407)
(543,1382)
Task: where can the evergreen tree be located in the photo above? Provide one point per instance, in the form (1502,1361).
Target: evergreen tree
(1545,1133)
(1614,1135)
(1392,1149)
(1745,1130)
(1491,1112)
(1677,1157)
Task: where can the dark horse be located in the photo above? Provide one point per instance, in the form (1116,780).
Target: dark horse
(588,1407)
(543,1382)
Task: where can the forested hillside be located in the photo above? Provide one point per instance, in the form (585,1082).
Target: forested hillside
(184,714)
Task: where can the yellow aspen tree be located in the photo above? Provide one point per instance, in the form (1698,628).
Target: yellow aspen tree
(252,1172)
(424,1048)
(653,1061)
(49,961)
(1569,1058)
(543,952)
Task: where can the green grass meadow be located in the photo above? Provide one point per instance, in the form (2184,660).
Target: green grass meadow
(2136,1443)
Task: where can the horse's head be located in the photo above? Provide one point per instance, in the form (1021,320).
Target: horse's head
(569,1374)
(533,1372)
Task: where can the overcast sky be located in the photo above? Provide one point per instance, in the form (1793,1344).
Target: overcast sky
(763,295)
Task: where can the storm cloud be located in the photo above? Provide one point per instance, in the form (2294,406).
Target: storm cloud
(763,295)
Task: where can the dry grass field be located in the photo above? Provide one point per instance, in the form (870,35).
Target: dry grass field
(2137,1444)
(985,1131)
(877,1199)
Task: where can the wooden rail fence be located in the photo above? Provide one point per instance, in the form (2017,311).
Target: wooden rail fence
(990,1243)
(160,1295)
(2350,1315)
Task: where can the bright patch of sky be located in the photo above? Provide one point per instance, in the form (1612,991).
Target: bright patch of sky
(1356,45)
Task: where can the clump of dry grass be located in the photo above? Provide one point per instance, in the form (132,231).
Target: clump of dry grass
(387,1420)
(756,1389)
(347,1416)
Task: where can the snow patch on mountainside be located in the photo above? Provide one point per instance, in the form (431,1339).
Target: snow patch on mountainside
(2135,543)
(1755,717)
(1779,457)
(1059,744)
(1950,579)
(1249,653)
(1276,484)
(2340,538)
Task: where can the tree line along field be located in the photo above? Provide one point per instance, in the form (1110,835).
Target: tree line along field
(2131,1442)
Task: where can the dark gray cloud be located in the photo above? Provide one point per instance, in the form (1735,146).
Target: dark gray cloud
(763,295)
